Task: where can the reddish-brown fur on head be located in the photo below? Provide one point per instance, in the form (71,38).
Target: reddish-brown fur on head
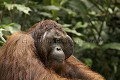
(23,57)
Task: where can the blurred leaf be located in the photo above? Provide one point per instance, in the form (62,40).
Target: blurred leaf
(56,2)
(87,3)
(79,6)
(72,31)
(80,25)
(83,44)
(112,46)
(19,7)
(45,14)
(7,20)
(78,41)
(8,1)
(1,43)
(88,61)
(63,2)
(69,11)
(110,10)
(66,25)
(13,28)
(1,35)
(46,2)
(51,8)
(87,45)
(9,6)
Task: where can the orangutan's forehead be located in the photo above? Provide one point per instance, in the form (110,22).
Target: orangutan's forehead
(55,32)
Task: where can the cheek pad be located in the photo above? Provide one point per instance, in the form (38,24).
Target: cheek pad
(68,47)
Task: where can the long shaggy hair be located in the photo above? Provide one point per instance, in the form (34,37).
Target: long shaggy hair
(20,60)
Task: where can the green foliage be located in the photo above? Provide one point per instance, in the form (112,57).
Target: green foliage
(12,27)
(1,37)
(112,46)
(94,25)
(8,29)
(19,7)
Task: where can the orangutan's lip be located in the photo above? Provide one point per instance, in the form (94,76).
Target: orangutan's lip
(59,60)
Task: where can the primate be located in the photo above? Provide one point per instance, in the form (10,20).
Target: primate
(44,52)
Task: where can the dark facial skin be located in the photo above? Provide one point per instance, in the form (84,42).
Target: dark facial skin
(57,44)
